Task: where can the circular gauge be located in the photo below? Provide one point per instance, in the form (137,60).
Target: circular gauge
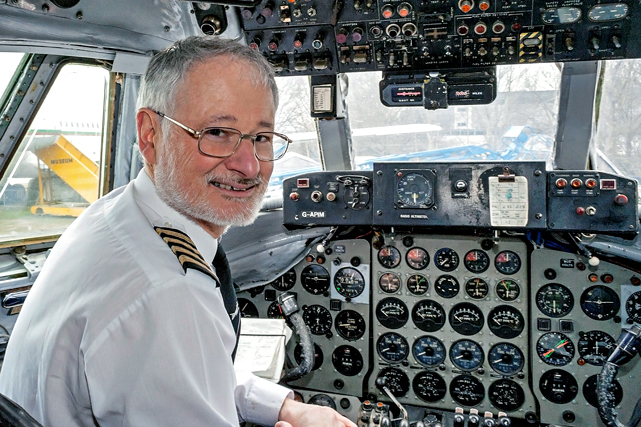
(477,288)
(350,325)
(555,348)
(608,12)
(389,283)
(414,190)
(615,391)
(285,282)
(392,347)
(554,300)
(274,312)
(356,196)
(318,318)
(467,390)
(633,307)
(247,308)
(507,262)
(428,351)
(561,15)
(595,347)
(349,282)
(446,259)
(558,386)
(428,315)
(322,400)
(429,386)
(392,313)
(466,318)
(315,279)
(446,286)
(418,284)
(508,290)
(396,381)
(318,356)
(506,358)
(506,395)
(600,302)
(389,257)
(417,258)
(466,355)
(505,321)
(476,261)
(347,360)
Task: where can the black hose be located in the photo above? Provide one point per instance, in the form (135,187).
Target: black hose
(307,347)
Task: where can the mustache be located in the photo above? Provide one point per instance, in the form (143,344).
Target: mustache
(258,181)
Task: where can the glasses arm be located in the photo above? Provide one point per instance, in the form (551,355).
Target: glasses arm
(190,131)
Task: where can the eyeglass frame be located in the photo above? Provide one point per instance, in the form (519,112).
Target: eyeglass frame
(198,135)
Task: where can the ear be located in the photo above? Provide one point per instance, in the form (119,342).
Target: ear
(147,127)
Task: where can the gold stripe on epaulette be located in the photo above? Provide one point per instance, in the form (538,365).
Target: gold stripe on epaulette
(180,250)
(171,240)
(174,233)
(188,262)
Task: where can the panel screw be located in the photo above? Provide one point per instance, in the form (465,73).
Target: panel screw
(538,216)
(379,213)
(79,15)
(537,173)
(45,7)
(167,28)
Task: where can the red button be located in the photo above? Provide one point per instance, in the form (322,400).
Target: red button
(580,210)
(621,199)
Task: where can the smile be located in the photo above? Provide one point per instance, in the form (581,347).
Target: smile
(229,187)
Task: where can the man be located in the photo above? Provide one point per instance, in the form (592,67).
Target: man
(126,324)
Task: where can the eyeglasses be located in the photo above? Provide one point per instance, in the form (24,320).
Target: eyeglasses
(222,142)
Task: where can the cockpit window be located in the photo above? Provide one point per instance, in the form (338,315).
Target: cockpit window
(10,62)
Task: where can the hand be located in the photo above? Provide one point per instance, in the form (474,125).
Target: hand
(297,414)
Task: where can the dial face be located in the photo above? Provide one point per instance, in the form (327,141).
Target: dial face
(285,282)
(429,386)
(595,347)
(477,288)
(349,282)
(350,325)
(446,259)
(392,313)
(467,390)
(508,290)
(318,355)
(347,360)
(555,348)
(274,312)
(315,279)
(396,381)
(615,392)
(506,321)
(506,359)
(428,351)
(466,318)
(476,261)
(414,190)
(558,386)
(506,395)
(318,318)
(633,307)
(446,286)
(247,308)
(417,258)
(389,257)
(392,347)
(561,15)
(417,284)
(600,302)
(507,262)
(466,355)
(356,197)
(322,400)
(389,283)
(608,12)
(554,300)
(428,315)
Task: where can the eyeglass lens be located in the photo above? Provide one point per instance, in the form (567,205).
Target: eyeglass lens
(222,142)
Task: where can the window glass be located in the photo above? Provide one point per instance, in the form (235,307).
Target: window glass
(55,173)
(9,61)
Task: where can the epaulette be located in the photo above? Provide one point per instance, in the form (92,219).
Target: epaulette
(185,250)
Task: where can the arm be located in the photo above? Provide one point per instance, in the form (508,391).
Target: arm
(297,414)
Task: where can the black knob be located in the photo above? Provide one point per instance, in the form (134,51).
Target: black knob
(549,274)
(473,421)
(459,420)
(568,416)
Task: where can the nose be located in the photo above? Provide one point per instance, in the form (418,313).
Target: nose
(244,160)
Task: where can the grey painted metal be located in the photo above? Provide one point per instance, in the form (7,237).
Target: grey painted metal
(335,135)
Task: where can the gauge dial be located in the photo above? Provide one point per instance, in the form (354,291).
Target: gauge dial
(389,283)
(595,347)
(506,395)
(608,12)
(315,279)
(507,262)
(285,282)
(506,359)
(417,258)
(349,282)
(429,386)
(396,381)
(467,390)
(466,355)
(392,313)
(356,196)
(347,360)
(466,318)
(505,321)
(561,15)
(417,284)
(247,308)
(477,288)
(446,259)
(476,261)
(508,290)
(428,351)
(274,312)
(615,392)
(558,386)
(555,348)
(322,400)
(392,347)
(318,318)
(414,190)
(600,302)
(633,307)
(447,286)
(554,300)
(350,325)
(428,315)
(318,356)
(389,257)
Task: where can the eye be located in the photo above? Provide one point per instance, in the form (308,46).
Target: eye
(218,134)
(264,137)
